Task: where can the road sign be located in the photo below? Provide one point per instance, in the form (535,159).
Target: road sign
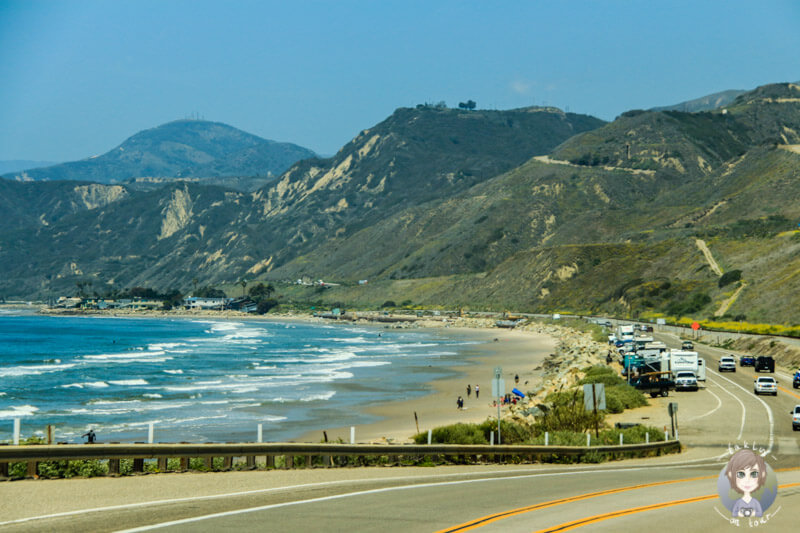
(498,388)
(599,396)
(672,408)
(695,326)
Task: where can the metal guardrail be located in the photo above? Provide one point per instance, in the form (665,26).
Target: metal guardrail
(33,454)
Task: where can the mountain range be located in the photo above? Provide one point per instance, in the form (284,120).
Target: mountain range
(531,209)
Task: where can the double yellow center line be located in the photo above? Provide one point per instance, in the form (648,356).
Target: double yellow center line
(480,522)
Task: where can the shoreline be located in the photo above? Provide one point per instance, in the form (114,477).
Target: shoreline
(544,356)
(517,352)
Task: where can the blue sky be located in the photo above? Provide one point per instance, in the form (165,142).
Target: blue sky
(79,77)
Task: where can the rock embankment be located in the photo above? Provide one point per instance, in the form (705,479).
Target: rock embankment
(575,351)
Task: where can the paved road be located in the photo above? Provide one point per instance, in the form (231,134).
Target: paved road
(674,493)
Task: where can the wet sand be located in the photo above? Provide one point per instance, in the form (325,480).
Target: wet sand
(516,352)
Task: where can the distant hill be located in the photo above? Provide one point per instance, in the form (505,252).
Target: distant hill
(183,148)
(704,103)
(17,165)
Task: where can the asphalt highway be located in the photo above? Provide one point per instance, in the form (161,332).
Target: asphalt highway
(677,492)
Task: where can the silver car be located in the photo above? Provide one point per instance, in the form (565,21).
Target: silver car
(685,380)
(766,385)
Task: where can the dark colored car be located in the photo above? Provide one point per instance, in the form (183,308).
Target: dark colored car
(747,360)
(765,362)
(796,380)
(687,345)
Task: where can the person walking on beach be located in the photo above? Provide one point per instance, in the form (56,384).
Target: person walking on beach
(477,391)
(460,402)
(469,390)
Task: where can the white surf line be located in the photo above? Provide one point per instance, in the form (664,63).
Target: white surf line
(719,404)
(589,470)
(769,411)
(371,491)
(744,409)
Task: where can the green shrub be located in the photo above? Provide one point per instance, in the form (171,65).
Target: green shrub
(454,434)
(729,277)
(601,374)
(623,396)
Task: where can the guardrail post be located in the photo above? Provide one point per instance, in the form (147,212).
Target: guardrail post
(3,469)
(620,439)
(588,439)
(138,465)
(113,466)
(209,461)
(289,460)
(250,462)
(647,438)
(270,461)
(33,469)
(185,463)
(162,464)
(546,438)
(16,432)
(227,462)
(430,436)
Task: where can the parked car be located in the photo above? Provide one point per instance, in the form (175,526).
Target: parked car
(727,364)
(686,380)
(795,417)
(765,362)
(687,345)
(747,360)
(765,385)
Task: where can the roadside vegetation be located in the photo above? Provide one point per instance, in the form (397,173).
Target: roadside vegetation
(564,419)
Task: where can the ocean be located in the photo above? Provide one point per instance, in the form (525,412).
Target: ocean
(211,380)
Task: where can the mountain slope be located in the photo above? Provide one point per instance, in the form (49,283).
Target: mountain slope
(183,148)
(704,103)
(459,208)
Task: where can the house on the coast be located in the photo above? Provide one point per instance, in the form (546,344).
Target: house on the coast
(200,303)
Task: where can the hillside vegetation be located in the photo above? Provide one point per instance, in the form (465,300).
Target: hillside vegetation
(458,208)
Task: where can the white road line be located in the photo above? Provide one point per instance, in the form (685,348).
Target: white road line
(366,492)
(769,411)
(585,470)
(719,404)
(744,409)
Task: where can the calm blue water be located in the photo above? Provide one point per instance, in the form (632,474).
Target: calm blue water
(205,380)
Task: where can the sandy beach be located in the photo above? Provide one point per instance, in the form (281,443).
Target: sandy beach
(516,352)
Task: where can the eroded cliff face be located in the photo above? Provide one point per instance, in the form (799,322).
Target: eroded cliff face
(95,195)
(177,214)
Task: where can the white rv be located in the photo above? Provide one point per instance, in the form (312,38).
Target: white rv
(684,360)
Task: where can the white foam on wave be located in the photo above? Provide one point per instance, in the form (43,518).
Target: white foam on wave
(152,395)
(164,346)
(2,393)
(16,411)
(90,384)
(319,397)
(123,356)
(129,382)
(121,408)
(32,370)
(175,371)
